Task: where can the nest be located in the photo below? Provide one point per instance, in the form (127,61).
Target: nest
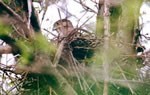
(83,44)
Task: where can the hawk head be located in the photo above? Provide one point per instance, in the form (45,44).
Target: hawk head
(63,27)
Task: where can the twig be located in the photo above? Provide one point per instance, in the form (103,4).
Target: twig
(45,10)
(87,8)
(81,18)
(22,35)
(63,69)
(11,12)
(84,30)
(87,20)
(58,53)
(7,70)
(74,67)
(78,73)
(125,78)
(29,3)
(59,13)
(50,32)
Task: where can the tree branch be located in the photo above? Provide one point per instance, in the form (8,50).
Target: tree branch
(87,8)
(10,11)
(106,45)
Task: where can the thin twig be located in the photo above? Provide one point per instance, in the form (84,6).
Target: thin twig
(50,32)
(74,66)
(29,3)
(81,18)
(125,78)
(12,12)
(22,35)
(59,13)
(87,8)
(86,20)
(58,53)
(64,69)
(78,73)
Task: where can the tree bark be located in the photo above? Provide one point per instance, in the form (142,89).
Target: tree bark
(106,45)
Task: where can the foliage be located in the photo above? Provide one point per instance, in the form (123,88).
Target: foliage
(44,72)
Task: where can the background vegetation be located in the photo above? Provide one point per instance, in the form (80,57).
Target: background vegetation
(41,66)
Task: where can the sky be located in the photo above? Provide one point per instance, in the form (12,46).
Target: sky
(144,21)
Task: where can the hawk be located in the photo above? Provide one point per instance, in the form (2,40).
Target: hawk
(63,27)
(81,42)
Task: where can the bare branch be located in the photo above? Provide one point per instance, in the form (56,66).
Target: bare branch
(50,32)
(106,15)
(5,68)
(11,12)
(87,20)
(58,53)
(20,34)
(87,8)
(29,2)
(125,78)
